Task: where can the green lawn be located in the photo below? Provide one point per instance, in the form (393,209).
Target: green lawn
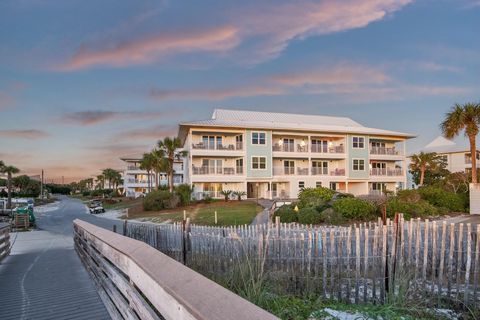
(229,213)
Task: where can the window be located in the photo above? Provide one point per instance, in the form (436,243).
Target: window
(288,167)
(318,184)
(319,146)
(258,138)
(358,142)
(319,167)
(358,165)
(333,186)
(259,163)
(301,184)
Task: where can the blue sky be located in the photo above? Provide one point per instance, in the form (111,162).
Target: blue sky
(82,85)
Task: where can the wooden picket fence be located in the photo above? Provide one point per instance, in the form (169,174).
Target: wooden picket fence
(368,262)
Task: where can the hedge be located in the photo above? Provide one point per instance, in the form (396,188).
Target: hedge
(353,208)
(314,197)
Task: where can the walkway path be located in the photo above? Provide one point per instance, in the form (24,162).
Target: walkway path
(43,277)
(264,216)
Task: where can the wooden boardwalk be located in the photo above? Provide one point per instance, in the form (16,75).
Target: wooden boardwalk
(43,278)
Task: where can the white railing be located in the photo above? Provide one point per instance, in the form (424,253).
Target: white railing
(283,171)
(386,172)
(318,148)
(133,168)
(280,194)
(316,171)
(218,146)
(290,147)
(4,240)
(337,172)
(209,194)
(138,181)
(227,171)
(384,151)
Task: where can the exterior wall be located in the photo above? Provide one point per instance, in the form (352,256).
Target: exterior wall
(258,150)
(339,157)
(354,153)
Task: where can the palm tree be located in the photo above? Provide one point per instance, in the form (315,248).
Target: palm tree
(464,117)
(160,164)
(9,170)
(423,162)
(147,164)
(169,148)
(101,181)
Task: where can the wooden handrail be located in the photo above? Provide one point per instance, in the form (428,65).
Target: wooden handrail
(137,281)
(4,240)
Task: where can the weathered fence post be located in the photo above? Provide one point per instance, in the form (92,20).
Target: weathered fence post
(124,227)
(114,229)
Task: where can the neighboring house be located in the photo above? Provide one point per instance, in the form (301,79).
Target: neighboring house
(275,155)
(457,157)
(135,180)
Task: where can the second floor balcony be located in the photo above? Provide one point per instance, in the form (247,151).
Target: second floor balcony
(218,146)
(389,151)
(322,148)
(205,170)
(289,147)
(386,172)
(326,172)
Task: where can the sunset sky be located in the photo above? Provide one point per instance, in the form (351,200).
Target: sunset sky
(85,82)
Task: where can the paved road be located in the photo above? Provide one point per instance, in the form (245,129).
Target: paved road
(43,277)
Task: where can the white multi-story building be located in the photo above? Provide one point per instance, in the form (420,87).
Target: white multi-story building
(274,155)
(457,157)
(135,180)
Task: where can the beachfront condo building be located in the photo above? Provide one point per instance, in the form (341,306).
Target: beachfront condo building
(135,179)
(275,155)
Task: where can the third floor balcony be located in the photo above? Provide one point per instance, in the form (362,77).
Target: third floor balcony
(207,170)
(394,172)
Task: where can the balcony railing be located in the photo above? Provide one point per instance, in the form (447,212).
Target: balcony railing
(139,181)
(208,194)
(217,170)
(386,172)
(384,151)
(318,148)
(133,168)
(290,147)
(218,146)
(316,171)
(282,171)
(337,172)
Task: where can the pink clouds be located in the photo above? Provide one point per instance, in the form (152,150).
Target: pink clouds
(267,27)
(31,134)
(337,75)
(6,100)
(151,133)
(216,93)
(150,49)
(93,117)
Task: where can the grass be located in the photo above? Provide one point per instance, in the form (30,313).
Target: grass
(123,203)
(229,213)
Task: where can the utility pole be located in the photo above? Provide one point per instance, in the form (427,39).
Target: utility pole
(41,186)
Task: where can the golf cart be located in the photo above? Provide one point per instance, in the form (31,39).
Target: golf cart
(95,207)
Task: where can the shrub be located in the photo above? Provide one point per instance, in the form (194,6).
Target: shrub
(86,193)
(352,208)
(159,200)
(184,192)
(286,213)
(411,196)
(313,197)
(239,194)
(441,198)
(332,217)
(410,210)
(309,216)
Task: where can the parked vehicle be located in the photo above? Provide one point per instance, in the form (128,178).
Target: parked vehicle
(95,207)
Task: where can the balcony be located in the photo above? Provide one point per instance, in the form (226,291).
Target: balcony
(280,194)
(138,181)
(385,172)
(289,147)
(318,148)
(228,171)
(217,146)
(326,172)
(384,151)
(133,168)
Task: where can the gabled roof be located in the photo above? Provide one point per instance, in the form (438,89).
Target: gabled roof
(443,145)
(285,121)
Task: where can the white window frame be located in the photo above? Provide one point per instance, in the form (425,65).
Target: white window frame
(358,142)
(259,168)
(353,164)
(301,182)
(258,139)
(318,184)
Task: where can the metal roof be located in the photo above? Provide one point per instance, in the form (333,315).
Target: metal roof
(285,121)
